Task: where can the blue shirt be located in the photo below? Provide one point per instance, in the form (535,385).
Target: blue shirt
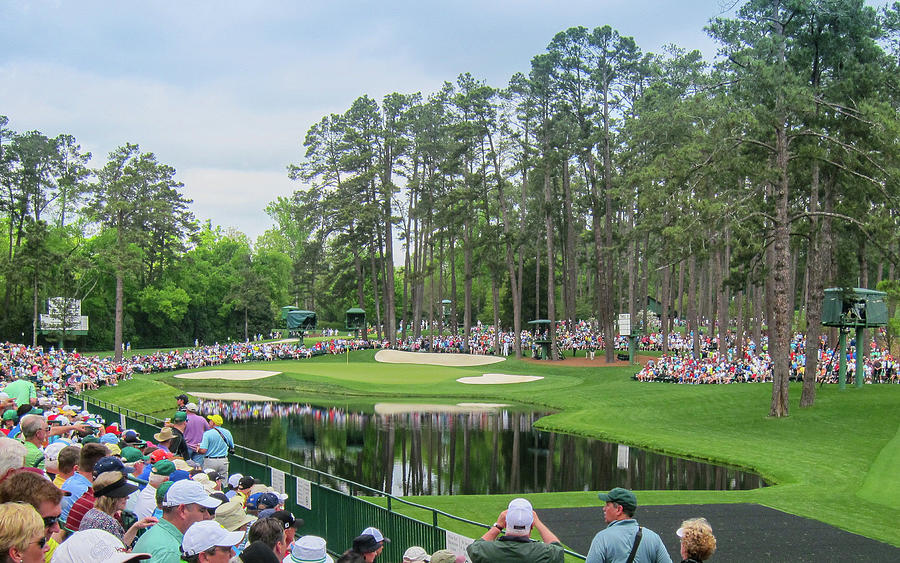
(613,545)
(77,484)
(213,443)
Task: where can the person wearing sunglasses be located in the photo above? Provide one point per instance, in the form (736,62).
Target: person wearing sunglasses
(22,538)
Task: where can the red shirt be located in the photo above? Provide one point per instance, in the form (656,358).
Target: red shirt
(79,509)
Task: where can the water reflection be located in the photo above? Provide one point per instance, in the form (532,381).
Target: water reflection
(437,453)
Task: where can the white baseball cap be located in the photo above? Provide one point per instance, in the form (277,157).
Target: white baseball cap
(375,533)
(234,479)
(187,491)
(206,534)
(94,546)
(519,516)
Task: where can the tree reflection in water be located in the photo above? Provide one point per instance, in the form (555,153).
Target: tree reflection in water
(479,452)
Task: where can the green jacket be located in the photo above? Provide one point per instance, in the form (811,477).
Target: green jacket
(506,549)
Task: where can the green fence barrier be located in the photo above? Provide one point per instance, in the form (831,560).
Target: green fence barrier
(333,508)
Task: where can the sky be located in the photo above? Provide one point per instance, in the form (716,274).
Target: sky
(225,91)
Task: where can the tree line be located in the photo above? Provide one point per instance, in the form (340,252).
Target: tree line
(733,191)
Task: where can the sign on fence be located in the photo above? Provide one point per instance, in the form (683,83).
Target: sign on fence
(304,493)
(277,480)
(458,543)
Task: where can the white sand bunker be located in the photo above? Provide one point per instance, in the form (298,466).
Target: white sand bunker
(229,374)
(498,378)
(434,359)
(403,408)
(235,397)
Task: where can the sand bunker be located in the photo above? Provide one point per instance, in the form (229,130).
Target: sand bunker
(402,408)
(235,397)
(498,378)
(228,374)
(433,359)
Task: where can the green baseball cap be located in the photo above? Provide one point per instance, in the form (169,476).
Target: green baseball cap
(90,440)
(620,496)
(162,490)
(164,467)
(131,454)
(10,414)
(179,416)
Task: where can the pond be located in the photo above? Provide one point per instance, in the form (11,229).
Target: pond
(483,451)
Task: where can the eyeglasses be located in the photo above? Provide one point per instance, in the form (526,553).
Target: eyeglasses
(41,542)
(50,520)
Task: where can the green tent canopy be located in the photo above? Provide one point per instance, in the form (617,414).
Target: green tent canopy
(301,320)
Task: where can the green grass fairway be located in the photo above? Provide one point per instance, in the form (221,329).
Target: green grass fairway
(837,462)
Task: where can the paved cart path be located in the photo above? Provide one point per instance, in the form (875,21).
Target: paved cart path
(744,532)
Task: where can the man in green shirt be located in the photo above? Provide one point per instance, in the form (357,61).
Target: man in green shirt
(516,544)
(35,431)
(22,391)
(184,503)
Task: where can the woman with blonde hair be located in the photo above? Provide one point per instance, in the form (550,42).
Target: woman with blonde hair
(697,540)
(22,537)
(111,490)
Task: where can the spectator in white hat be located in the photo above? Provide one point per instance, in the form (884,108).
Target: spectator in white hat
(209,542)
(415,554)
(184,504)
(94,546)
(309,549)
(516,545)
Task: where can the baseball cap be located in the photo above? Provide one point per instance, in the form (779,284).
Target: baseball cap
(131,435)
(109,463)
(109,438)
(163,467)
(310,549)
(245,482)
(183,397)
(113,429)
(253,501)
(94,546)
(189,492)
(268,500)
(51,453)
(519,515)
(179,416)
(10,414)
(415,553)
(192,407)
(234,480)
(375,533)
(131,455)
(287,519)
(159,455)
(217,419)
(206,534)
(620,496)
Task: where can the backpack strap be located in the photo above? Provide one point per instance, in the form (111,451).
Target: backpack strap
(224,439)
(637,542)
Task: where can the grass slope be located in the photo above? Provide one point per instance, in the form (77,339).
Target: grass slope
(836,462)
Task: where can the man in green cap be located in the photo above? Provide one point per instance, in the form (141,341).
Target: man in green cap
(623,540)
(146,502)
